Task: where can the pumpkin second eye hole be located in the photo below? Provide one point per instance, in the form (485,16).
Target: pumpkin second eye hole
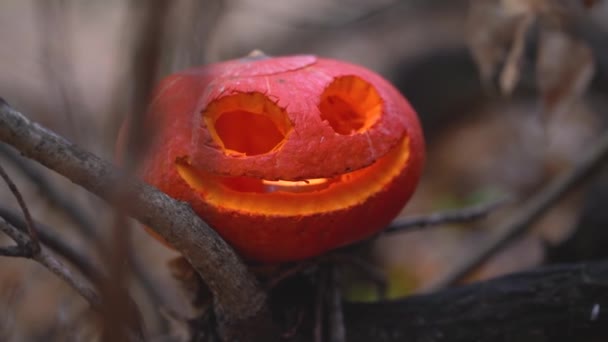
(350,105)
(247,124)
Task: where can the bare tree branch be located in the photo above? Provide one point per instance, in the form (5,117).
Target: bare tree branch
(32,242)
(56,45)
(319,314)
(56,243)
(15,251)
(532,210)
(50,262)
(476,212)
(81,220)
(239,301)
(335,313)
(73,279)
(28,246)
(145,66)
(144,70)
(133,331)
(54,195)
(557,303)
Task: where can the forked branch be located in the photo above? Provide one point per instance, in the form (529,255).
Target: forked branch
(238,297)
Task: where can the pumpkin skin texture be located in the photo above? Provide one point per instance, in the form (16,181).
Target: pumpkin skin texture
(286,157)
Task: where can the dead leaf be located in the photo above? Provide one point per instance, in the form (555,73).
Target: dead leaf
(497,32)
(564,69)
(488,35)
(510,75)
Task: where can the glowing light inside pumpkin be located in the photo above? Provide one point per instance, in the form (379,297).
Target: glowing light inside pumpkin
(247,124)
(350,105)
(251,195)
(248,133)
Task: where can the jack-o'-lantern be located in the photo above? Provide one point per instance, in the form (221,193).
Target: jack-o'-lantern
(287,157)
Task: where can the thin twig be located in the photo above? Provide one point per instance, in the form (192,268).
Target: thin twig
(55,47)
(120,314)
(318,305)
(531,211)
(57,244)
(73,279)
(18,233)
(144,64)
(15,251)
(300,267)
(291,332)
(141,272)
(238,297)
(55,196)
(145,67)
(337,332)
(339,21)
(32,242)
(468,214)
(50,262)
(83,287)
(80,219)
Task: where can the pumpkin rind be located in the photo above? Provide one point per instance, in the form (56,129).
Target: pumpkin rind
(311,148)
(298,91)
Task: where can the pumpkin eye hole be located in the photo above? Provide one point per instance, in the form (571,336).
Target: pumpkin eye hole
(350,105)
(247,124)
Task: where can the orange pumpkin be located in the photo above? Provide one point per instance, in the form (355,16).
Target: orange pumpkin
(287,157)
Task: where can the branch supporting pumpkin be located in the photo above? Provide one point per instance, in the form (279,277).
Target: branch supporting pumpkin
(238,297)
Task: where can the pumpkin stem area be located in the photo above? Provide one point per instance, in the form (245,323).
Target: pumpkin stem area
(247,124)
(350,105)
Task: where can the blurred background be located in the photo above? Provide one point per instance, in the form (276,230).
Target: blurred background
(69,66)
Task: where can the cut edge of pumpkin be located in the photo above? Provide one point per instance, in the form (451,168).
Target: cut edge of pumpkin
(341,192)
(247,124)
(350,105)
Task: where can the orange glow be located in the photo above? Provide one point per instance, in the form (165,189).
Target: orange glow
(297,186)
(247,124)
(350,105)
(349,190)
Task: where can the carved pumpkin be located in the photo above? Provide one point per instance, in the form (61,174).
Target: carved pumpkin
(287,157)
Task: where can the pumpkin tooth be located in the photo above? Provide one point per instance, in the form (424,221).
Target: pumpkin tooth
(305,185)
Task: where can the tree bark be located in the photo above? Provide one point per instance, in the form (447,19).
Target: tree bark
(239,301)
(558,303)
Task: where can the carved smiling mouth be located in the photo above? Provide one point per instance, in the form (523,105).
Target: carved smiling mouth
(287,198)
